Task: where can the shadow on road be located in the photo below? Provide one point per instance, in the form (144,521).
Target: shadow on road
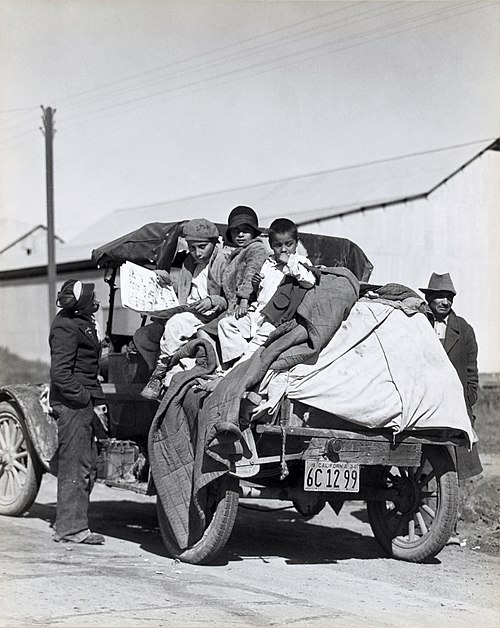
(299,540)
(258,532)
(126,520)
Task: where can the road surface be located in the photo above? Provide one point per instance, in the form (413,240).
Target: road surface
(278,569)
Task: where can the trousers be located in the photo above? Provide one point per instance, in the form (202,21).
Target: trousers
(178,330)
(243,336)
(77,461)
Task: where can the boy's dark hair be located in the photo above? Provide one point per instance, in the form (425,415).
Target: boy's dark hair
(280,226)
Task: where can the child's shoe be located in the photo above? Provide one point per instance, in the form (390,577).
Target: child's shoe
(152,390)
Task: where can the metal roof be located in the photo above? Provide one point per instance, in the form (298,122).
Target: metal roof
(305,199)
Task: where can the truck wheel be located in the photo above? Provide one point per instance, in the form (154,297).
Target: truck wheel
(222,507)
(20,469)
(418,523)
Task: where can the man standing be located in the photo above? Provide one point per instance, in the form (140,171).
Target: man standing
(74,391)
(459,342)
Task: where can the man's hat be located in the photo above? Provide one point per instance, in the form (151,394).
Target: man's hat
(200,230)
(439,283)
(242,215)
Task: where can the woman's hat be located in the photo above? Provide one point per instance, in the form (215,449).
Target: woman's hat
(242,215)
(439,283)
(75,295)
(200,230)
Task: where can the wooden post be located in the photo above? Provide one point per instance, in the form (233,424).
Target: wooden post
(48,131)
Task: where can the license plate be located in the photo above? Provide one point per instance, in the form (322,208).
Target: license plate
(323,475)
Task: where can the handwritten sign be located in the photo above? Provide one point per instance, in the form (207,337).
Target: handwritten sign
(141,291)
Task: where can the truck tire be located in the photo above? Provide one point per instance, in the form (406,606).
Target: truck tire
(20,470)
(223,508)
(416,526)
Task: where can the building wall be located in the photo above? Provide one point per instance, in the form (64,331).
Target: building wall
(25,324)
(456,230)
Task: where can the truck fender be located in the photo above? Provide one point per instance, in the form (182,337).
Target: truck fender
(41,427)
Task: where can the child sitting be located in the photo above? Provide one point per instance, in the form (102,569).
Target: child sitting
(244,261)
(199,287)
(241,336)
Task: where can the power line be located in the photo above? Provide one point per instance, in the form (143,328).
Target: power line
(328,28)
(141,99)
(209,52)
(230,57)
(107,93)
(354,19)
(256,69)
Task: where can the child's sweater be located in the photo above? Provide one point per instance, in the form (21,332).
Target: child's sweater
(242,265)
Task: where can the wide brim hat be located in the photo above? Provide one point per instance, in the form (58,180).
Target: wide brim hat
(242,215)
(439,283)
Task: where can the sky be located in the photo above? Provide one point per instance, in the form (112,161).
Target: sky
(157,100)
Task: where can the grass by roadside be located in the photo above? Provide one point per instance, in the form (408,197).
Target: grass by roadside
(16,370)
(479,522)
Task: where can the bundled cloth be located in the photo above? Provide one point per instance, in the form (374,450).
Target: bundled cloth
(195,437)
(383,368)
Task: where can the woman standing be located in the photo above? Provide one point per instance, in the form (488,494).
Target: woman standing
(74,391)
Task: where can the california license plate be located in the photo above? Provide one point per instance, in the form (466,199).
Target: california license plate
(323,475)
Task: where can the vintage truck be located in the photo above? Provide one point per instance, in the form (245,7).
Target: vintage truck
(299,452)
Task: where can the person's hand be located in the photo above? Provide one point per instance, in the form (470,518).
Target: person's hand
(201,307)
(283,258)
(164,278)
(256,279)
(241,308)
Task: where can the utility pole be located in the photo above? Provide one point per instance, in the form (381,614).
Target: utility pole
(49,132)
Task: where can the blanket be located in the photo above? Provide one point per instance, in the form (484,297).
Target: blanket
(188,452)
(370,362)
(383,368)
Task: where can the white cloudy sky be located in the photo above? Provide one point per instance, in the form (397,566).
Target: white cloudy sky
(158,100)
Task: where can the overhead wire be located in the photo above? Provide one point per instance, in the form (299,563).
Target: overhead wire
(209,63)
(238,71)
(255,69)
(261,49)
(105,88)
(352,20)
(203,55)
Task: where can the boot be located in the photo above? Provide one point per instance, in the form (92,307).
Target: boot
(153,389)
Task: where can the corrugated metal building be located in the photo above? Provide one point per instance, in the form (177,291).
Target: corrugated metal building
(436,211)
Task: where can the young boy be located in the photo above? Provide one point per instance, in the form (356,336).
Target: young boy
(199,287)
(242,336)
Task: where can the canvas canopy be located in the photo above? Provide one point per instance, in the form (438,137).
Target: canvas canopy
(155,244)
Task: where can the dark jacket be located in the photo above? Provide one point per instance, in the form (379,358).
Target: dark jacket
(320,314)
(75,351)
(461,346)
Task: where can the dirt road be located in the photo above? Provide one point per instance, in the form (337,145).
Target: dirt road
(277,570)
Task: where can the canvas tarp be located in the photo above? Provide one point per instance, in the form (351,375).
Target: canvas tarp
(382,368)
